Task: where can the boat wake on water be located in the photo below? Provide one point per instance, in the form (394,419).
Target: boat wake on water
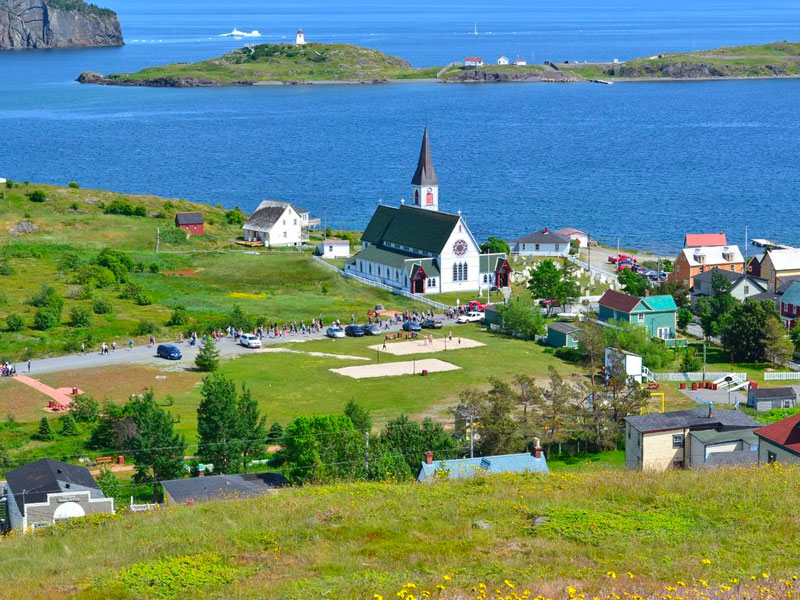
(237,33)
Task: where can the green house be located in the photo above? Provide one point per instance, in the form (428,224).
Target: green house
(562,335)
(656,313)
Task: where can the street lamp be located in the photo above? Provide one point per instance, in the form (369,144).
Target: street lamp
(728,380)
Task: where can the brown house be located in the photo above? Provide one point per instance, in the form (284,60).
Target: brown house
(191,222)
(693,261)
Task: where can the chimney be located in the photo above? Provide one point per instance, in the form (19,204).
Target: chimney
(537,448)
(429,458)
(647,293)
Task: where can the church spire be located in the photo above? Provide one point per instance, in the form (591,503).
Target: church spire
(425,174)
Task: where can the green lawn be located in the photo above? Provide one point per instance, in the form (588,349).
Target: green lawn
(607,534)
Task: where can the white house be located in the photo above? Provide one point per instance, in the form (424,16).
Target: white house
(541,243)
(473,61)
(520,62)
(334,249)
(274,224)
(421,250)
(575,234)
(503,60)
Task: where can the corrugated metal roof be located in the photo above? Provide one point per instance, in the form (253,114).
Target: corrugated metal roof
(565,328)
(663,302)
(189,218)
(469,467)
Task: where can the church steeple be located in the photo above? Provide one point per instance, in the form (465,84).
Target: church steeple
(425,183)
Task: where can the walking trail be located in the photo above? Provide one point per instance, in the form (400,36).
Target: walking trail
(61,396)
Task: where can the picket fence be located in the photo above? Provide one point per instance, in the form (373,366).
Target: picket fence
(782,376)
(696,376)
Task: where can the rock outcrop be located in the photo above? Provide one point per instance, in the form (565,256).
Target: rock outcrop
(56,24)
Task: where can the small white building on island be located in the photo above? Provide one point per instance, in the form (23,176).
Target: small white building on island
(300,38)
(503,60)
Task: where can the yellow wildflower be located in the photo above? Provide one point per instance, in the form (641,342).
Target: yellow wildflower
(509,584)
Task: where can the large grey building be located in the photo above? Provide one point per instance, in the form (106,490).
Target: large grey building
(46,491)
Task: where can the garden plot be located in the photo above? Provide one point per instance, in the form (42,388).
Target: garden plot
(419,346)
(409,367)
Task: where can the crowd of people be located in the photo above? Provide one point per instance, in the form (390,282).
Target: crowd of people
(8,370)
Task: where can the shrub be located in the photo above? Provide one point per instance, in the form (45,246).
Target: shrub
(145,328)
(95,276)
(68,425)
(125,208)
(572,355)
(37,196)
(179,317)
(102,306)
(14,322)
(74,185)
(74,206)
(235,216)
(46,318)
(153,267)
(44,433)
(6,269)
(85,409)
(130,291)
(68,262)
(9,183)
(168,205)
(118,262)
(142,298)
(80,316)
(47,297)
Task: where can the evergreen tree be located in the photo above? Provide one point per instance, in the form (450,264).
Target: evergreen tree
(777,346)
(219,425)
(744,329)
(68,425)
(359,415)
(208,356)
(44,433)
(252,427)
(275,434)
(110,485)
(157,450)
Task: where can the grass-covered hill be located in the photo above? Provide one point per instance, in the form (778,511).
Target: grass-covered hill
(56,242)
(691,535)
(266,63)
(778,59)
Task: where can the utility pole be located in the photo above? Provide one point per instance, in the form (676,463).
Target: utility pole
(472,434)
(324,224)
(704,360)
(366,451)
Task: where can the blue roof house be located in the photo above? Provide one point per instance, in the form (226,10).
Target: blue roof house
(463,468)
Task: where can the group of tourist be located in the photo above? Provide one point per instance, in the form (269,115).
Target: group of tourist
(8,370)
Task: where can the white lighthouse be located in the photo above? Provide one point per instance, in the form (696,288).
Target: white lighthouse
(300,38)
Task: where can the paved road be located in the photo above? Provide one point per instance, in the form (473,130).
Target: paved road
(147,355)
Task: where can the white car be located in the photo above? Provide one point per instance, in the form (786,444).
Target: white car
(470,317)
(248,340)
(334,332)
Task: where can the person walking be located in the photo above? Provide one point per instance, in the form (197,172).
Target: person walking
(29,365)
(130,344)
(83,347)
(114,346)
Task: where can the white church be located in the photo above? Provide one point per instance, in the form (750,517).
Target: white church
(419,249)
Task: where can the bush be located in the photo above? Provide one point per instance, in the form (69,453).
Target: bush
(153,267)
(95,276)
(102,306)
(47,297)
(235,216)
(37,196)
(74,185)
(14,322)
(145,328)
(74,206)
(572,355)
(68,262)
(85,409)
(9,184)
(125,208)
(6,269)
(44,433)
(142,298)
(46,318)
(179,317)
(68,425)
(80,316)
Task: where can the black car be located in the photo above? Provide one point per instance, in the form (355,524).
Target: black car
(432,324)
(169,352)
(411,326)
(371,329)
(354,331)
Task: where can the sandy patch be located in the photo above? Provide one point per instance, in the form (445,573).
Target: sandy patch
(419,346)
(321,354)
(182,273)
(409,367)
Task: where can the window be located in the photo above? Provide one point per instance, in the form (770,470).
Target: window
(465,271)
(536,247)
(295,221)
(640,317)
(787,404)
(771,457)
(330,248)
(285,234)
(558,247)
(677,441)
(460,272)
(284,221)
(746,290)
(455,272)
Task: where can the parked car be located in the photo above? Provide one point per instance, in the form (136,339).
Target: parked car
(547,302)
(334,332)
(470,317)
(432,324)
(371,329)
(475,305)
(411,326)
(354,331)
(248,340)
(169,352)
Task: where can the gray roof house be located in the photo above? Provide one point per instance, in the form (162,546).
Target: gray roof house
(763,399)
(663,441)
(712,449)
(275,224)
(541,243)
(46,491)
(743,286)
(463,468)
(221,487)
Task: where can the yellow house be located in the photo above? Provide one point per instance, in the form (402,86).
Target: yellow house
(778,264)
(661,441)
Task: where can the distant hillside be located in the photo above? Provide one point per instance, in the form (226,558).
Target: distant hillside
(610,535)
(778,59)
(275,63)
(56,24)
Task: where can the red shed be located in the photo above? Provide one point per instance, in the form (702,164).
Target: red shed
(191,222)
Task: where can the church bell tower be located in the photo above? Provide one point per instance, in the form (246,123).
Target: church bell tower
(425,183)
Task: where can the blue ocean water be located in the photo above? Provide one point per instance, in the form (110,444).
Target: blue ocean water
(644,162)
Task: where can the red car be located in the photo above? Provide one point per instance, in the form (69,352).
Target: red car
(476,305)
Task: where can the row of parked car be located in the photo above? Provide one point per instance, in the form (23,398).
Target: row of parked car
(372,329)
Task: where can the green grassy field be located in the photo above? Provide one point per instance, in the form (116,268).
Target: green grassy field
(287,63)
(659,535)
(206,275)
